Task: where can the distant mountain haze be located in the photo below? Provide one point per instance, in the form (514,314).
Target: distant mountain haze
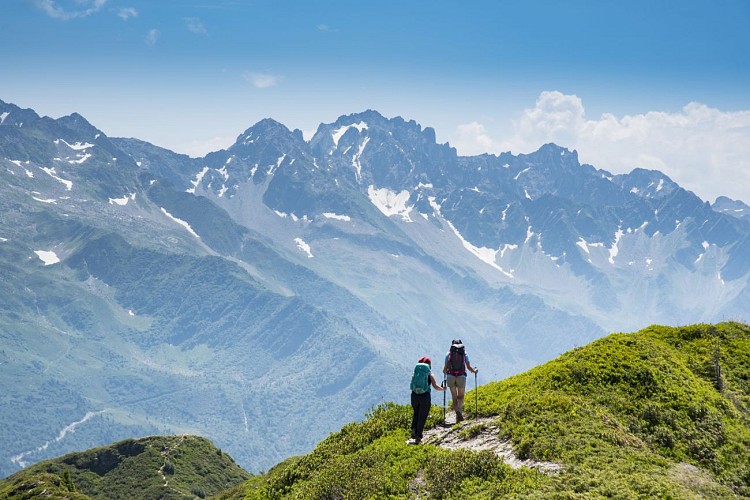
(266,294)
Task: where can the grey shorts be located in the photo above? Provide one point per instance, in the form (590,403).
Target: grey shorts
(457,382)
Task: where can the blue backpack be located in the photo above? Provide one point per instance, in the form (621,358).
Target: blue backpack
(420,381)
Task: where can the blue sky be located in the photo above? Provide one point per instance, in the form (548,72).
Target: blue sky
(655,84)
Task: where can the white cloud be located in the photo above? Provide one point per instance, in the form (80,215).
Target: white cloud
(127,12)
(152,36)
(703,149)
(195,25)
(262,80)
(473,139)
(82,8)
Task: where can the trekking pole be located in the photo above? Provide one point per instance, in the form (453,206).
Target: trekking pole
(444,391)
(476,396)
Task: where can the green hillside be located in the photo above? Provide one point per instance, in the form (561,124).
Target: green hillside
(661,413)
(165,467)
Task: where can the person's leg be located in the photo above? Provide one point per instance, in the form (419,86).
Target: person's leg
(451,381)
(423,411)
(460,391)
(415,415)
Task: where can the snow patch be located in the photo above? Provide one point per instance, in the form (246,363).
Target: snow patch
(355,159)
(51,172)
(391,203)
(45,200)
(614,250)
(3,117)
(521,172)
(279,161)
(634,190)
(78,146)
(506,247)
(529,234)
(122,201)
(224,173)
(180,222)
(47,256)
(330,215)
(487,255)
(304,247)
(82,158)
(339,132)
(197,181)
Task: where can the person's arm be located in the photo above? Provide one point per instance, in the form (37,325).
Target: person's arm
(445,365)
(434,383)
(468,365)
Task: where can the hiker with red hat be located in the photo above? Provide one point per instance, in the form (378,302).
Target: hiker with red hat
(420,397)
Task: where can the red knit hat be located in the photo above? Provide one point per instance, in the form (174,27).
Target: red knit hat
(425,360)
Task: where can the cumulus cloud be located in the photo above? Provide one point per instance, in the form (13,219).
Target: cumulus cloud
(82,8)
(152,36)
(703,149)
(473,138)
(262,80)
(195,25)
(126,13)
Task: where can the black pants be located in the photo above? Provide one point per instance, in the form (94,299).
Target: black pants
(421,405)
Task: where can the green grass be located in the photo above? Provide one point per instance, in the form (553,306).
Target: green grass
(661,413)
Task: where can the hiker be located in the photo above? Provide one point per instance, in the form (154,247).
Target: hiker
(420,397)
(456,364)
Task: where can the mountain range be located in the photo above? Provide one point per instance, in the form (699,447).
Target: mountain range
(265,294)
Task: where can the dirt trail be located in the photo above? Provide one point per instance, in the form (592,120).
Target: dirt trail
(482,434)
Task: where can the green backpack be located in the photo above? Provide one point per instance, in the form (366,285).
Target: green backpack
(420,381)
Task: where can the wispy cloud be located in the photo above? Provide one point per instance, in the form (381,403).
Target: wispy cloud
(127,12)
(326,28)
(82,8)
(152,36)
(262,80)
(195,25)
(699,147)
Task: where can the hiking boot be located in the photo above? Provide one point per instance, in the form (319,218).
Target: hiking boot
(459,416)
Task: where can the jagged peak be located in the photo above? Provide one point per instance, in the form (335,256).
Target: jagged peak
(267,128)
(10,114)
(78,123)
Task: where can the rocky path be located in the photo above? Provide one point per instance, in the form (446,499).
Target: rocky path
(482,434)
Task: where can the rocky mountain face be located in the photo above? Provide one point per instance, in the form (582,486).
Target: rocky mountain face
(267,293)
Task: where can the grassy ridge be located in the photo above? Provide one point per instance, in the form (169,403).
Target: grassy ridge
(659,413)
(166,467)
